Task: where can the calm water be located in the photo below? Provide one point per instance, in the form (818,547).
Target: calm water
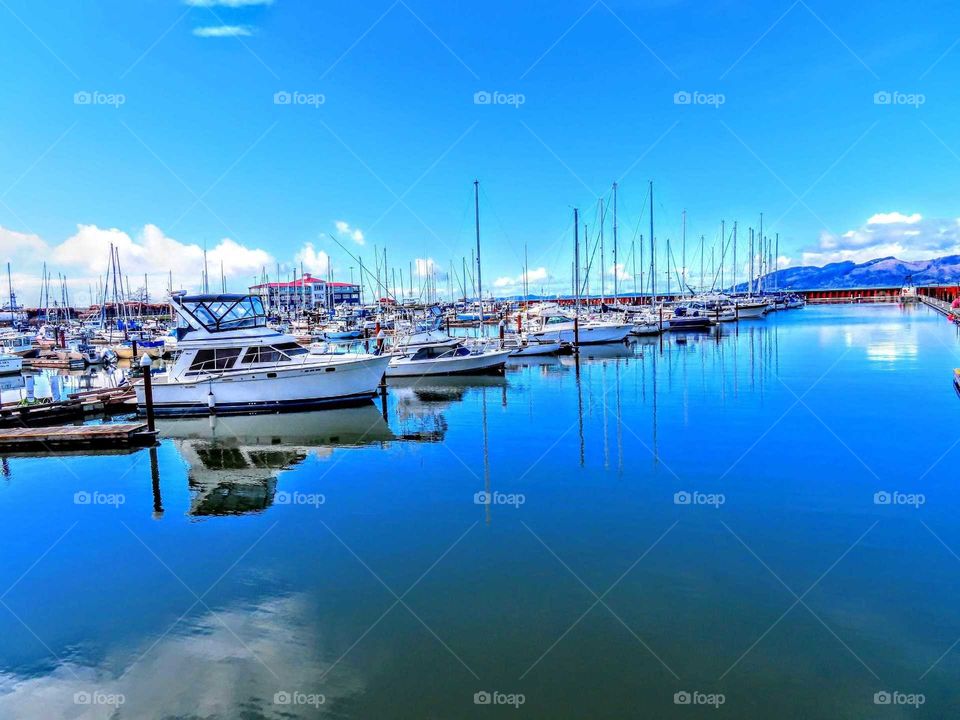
(251,567)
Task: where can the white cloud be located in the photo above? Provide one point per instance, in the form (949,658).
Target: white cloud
(228,3)
(619,271)
(894,217)
(14,245)
(424,266)
(355,234)
(904,236)
(316,262)
(218,31)
(516,283)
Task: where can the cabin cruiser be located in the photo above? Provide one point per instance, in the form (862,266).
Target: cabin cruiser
(690,317)
(10,364)
(16,343)
(229,361)
(521,345)
(458,359)
(751,307)
(795,302)
(556,326)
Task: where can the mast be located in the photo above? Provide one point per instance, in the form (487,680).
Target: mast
(476,213)
(576,258)
(526,274)
(633,256)
(776,263)
(683,255)
(734,279)
(723,248)
(750,278)
(616,270)
(603,259)
(10,291)
(763,254)
(653,265)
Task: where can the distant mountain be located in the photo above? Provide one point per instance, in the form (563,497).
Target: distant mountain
(882,272)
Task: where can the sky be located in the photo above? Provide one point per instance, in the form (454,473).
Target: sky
(317,134)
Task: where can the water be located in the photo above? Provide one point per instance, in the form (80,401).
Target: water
(344,553)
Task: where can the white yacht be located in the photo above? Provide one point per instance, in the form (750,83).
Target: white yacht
(425,360)
(229,361)
(15,343)
(751,307)
(559,327)
(10,364)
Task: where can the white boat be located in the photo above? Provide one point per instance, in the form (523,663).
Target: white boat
(14,343)
(10,364)
(230,362)
(750,308)
(523,346)
(557,327)
(446,360)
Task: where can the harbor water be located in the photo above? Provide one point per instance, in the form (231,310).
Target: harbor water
(751,522)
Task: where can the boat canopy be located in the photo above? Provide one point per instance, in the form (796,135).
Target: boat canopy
(219,313)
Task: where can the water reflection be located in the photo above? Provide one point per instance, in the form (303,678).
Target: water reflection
(213,665)
(234,462)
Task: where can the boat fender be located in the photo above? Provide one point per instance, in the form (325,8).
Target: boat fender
(211,403)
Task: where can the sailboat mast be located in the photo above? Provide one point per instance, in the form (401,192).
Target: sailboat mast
(776,263)
(733,282)
(603,258)
(683,255)
(616,270)
(476,213)
(653,267)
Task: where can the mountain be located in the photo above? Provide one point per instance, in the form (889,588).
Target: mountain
(882,272)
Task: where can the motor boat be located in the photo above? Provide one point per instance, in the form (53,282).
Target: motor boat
(690,317)
(558,327)
(521,345)
(16,343)
(447,360)
(10,364)
(230,362)
(795,302)
(752,308)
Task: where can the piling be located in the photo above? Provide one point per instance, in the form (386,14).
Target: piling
(147,389)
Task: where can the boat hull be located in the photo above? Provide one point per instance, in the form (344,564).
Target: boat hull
(589,334)
(752,311)
(274,390)
(10,364)
(458,365)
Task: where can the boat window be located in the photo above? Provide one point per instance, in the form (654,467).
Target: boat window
(218,359)
(225,312)
(292,348)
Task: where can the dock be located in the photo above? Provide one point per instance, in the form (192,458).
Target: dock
(941,306)
(73,437)
(76,407)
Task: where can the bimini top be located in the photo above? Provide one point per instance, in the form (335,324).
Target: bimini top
(222,312)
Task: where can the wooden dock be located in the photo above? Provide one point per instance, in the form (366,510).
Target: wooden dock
(76,407)
(73,437)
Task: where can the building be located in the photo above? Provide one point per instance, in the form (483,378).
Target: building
(341,293)
(306,293)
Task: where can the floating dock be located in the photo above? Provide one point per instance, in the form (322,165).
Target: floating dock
(73,437)
(76,407)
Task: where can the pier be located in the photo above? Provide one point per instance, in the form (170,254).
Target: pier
(73,437)
(76,407)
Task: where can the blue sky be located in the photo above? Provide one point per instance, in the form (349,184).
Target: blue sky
(155,125)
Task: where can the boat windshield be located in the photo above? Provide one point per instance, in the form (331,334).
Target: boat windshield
(219,313)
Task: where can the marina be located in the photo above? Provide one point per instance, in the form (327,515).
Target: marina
(498,491)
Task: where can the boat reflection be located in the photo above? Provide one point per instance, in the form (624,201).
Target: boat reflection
(234,462)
